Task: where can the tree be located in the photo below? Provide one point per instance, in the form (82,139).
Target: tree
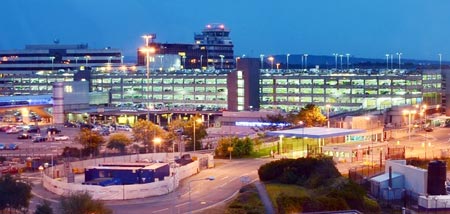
(145,131)
(82,203)
(44,208)
(118,141)
(311,116)
(90,140)
(14,194)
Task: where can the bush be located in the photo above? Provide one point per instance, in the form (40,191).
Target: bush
(241,147)
(290,204)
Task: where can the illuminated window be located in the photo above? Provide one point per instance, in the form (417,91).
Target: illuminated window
(68,89)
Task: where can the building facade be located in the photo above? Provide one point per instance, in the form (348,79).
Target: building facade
(55,57)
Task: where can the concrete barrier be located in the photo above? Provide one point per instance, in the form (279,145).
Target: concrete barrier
(60,186)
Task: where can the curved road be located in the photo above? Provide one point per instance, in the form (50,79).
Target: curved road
(229,176)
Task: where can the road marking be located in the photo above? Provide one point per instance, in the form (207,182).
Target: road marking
(179,205)
(225,177)
(157,211)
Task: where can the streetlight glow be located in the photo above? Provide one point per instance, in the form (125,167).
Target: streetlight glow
(328,106)
(271,61)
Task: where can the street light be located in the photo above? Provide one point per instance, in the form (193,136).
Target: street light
(221,61)
(148,50)
(199,120)
(261,56)
(371,138)
(271,61)
(387,61)
(53,59)
(87,57)
(348,60)
(287,61)
(211,178)
(335,60)
(399,59)
(147,38)
(278,66)
(328,106)
(302,124)
(341,61)
(76,60)
(409,113)
(306,60)
(440,62)
(156,141)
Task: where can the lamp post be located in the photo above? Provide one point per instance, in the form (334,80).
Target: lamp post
(371,139)
(156,141)
(211,178)
(328,106)
(392,61)
(261,56)
(278,66)
(440,62)
(341,60)
(306,60)
(221,61)
(409,113)
(237,60)
(76,60)
(287,61)
(271,61)
(302,124)
(41,169)
(399,59)
(53,59)
(348,60)
(335,60)
(148,50)
(87,57)
(195,121)
(387,61)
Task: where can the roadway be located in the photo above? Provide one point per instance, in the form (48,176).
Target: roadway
(204,193)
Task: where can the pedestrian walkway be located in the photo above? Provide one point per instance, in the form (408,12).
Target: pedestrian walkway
(268,206)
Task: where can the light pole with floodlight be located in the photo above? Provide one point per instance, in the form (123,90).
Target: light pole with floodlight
(53,60)
(148,50)
(271,61)
(399,60)
(387,61)
(335,60)
(328,106)
(261,56)
(306,60)
(409,113)
(156,141)
(199,120)
(287,61)
(348,60)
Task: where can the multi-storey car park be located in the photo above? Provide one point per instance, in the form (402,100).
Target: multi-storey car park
(286,90)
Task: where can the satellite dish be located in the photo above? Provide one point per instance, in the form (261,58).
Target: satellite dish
(56,41)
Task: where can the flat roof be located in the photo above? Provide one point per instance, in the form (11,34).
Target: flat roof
(316,132)
(114,168)
(155,166)
(385,177)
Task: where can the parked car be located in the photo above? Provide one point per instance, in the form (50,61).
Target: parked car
(5,128)
(24,136)
(2,146)
(86,126)
(34,129)
(53,130)
(123,128)
(71,125)
(428,129)
(39,139)
(61,137)
(104,132)
(12,146)
(12,130)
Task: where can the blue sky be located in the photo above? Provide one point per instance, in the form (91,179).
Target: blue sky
(419,29)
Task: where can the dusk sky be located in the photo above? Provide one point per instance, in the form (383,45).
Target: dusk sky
(419,29)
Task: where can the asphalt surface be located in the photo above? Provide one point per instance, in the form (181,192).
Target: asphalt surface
(229,177)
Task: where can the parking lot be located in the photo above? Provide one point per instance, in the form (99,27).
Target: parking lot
(28,148)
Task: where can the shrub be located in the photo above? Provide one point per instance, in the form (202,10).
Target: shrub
(289,204)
